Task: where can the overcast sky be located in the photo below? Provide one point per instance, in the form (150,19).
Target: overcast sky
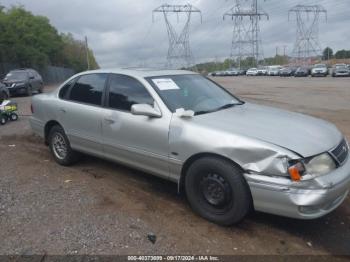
(121,32)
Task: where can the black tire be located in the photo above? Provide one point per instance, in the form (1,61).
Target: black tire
(3,120)
(29,91)
(41,88)
(70,157)
(13,117)
(4,96)
(228,201)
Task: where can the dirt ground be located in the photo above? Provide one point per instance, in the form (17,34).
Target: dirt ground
(98,207)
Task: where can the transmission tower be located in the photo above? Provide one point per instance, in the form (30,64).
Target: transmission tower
(307,43)
(246,41)
(179,52)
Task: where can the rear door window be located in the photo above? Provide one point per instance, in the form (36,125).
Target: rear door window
(89,89)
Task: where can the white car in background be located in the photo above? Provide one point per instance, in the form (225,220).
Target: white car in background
(274,70)
(252,72)
(319,70)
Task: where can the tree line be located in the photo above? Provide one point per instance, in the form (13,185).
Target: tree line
(328,54)
(29,40)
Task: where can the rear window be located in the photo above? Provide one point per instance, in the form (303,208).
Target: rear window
(63,94)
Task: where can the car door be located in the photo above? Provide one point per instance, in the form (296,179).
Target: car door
(138,141)
(80,112)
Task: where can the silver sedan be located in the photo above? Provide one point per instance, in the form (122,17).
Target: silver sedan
(228,156)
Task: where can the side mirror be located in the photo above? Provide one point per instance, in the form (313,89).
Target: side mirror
(145,110)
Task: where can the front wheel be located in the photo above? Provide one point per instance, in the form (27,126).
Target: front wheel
(14,117)
(217,191)
(4,96)
(60,147)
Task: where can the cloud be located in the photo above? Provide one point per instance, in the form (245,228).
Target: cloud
(121,32)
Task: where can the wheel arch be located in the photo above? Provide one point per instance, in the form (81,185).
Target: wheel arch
(48,127)
(192,159)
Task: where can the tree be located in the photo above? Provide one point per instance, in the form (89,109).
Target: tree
(31,41)
(342,54)
(74,54)
(327,53)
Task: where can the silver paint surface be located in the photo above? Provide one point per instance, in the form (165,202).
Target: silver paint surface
(260,139)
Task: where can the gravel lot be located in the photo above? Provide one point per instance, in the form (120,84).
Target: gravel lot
(98,207)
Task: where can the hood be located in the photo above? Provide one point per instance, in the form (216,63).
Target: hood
(305,135)
(321,69)
(10,82)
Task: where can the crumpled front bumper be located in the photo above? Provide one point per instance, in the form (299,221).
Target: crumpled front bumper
(303,200)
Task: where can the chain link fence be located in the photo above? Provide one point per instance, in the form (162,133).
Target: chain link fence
(50,74)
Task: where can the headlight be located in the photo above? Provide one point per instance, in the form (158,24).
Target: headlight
(314,166)
(320,165)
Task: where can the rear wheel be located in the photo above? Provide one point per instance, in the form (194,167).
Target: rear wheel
(3,120)
(29,91)
(217,190)
(41,88)
(60,147)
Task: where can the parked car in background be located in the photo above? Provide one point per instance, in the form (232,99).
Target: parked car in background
(252,72)
(23,82)
(286,71)
(242,72)
(340,70)
(232,72)
(211,74)
(274,70)
(302,72)
(220,73)
(262,71)
(319,70)
(227,155)
(4,93)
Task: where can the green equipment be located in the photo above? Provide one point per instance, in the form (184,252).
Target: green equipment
(8,112)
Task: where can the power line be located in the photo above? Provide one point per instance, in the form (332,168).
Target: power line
(246,41)
(307,43)
(179,52)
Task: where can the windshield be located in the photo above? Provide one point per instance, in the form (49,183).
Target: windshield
(320,66)
(18,76)
(340,66)
(192,92)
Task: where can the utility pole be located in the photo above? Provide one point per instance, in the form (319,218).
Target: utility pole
(179,52)
(276,50)
(87,53)
(246,40)
(284,51)
(307,43)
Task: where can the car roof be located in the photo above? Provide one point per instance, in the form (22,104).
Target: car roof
(141,72)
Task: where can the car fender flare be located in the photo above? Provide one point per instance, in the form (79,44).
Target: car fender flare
(47,128)
(192,159)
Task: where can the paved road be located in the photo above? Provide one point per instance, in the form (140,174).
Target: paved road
(97,207)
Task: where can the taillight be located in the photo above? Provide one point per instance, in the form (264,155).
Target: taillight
(31,108)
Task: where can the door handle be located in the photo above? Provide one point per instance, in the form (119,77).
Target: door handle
(62,110)
(109,121)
